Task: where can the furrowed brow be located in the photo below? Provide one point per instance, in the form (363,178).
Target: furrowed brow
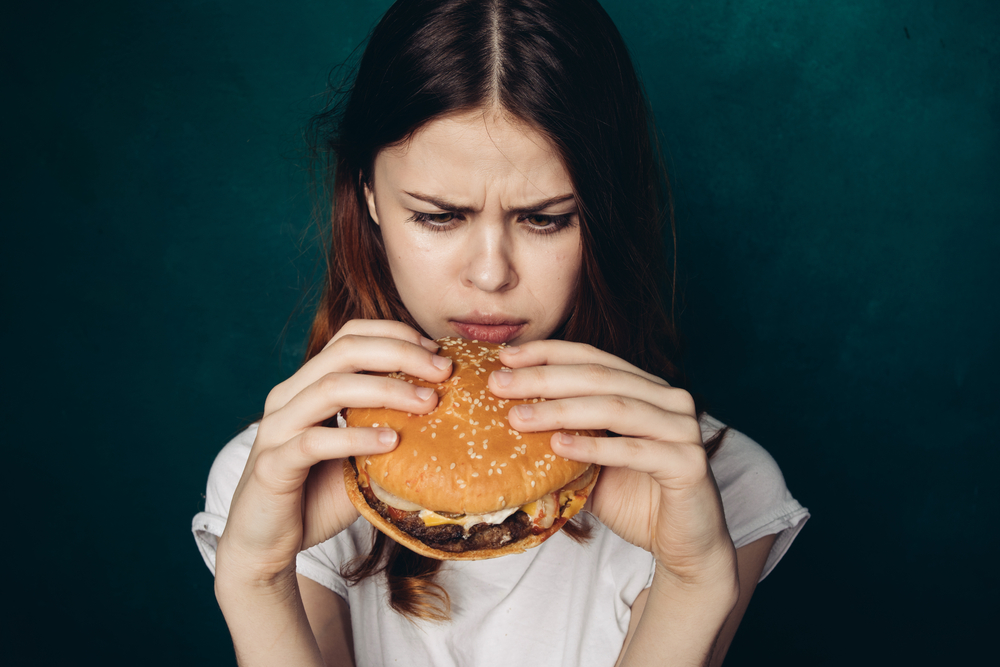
(440,203)
(448,206)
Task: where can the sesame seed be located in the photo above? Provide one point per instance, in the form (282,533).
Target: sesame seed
(489,472)
(493,463)
(475,474)
(434,458)
(532,482)
(375,424)
(452,467)
(433,433)
(461,435)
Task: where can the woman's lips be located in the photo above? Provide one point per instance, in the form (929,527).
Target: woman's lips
(489,333)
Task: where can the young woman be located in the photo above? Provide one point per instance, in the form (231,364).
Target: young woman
(493,177)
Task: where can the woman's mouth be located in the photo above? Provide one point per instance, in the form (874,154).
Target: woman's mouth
(489,332)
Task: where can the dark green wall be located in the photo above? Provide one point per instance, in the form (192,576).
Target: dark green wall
(836,168)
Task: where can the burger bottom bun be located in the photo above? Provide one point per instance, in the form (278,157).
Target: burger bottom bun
(413,544)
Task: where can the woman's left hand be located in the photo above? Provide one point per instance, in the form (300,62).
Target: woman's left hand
(656,489)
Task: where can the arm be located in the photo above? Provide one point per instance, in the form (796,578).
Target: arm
(330,620)
(291,495)
(656,488)
(750,563)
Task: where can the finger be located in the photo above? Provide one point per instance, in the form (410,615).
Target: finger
(384,329)
(590,379)
(675,465)
(283,470)
(334,391)
(353,353)
(620,414)
(553,352)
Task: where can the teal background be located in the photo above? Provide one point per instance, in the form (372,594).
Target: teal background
(836,169)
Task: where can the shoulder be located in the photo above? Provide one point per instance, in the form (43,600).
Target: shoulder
(740,464)
(225,474)
(227,470)
(755,497)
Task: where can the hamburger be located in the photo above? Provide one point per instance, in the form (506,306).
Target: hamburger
(462,484)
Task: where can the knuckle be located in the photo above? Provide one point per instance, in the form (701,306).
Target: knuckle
(690,429)
(618,405)
(694,460)
(275,398)
(682,399)
(329,383)
(347,343)
(309,441)
(633,448)
(597,373)
(265,465)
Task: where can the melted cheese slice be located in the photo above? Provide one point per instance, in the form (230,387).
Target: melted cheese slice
(468,520)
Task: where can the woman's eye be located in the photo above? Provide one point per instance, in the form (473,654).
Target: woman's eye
(547,224)
(434,220)
(537,220)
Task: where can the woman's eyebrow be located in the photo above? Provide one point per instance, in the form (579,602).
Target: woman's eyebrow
(448,206)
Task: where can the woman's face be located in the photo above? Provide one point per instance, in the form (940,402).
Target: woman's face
(481,228)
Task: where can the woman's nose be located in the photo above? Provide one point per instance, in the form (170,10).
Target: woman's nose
(490,266)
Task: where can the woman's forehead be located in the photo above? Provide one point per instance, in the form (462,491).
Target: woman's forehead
(474,152)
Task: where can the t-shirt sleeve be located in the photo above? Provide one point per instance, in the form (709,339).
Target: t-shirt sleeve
(317,563)
(755,498)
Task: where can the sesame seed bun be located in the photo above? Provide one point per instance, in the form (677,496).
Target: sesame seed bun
(463,458)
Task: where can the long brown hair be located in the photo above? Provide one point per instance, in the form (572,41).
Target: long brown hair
(562,67)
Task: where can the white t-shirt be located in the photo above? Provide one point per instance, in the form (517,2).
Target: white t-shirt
(562,603)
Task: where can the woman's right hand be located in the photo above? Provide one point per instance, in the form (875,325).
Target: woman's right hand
(291,495)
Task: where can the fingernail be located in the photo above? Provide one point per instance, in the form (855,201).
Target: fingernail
(565,439)
(429,344)
(387,438)
(512,350)
(524,412)
(503,377)
(423,393)
(441,362)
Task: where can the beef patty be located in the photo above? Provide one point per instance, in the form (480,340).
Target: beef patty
(450,537)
